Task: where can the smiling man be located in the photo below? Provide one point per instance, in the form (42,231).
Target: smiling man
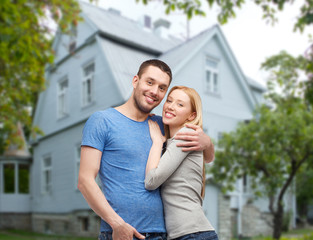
(116,144)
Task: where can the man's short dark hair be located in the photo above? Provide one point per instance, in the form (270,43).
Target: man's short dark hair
(156,63)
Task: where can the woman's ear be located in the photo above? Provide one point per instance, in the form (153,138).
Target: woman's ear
(192,116)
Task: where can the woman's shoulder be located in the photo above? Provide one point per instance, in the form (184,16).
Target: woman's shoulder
(186,129)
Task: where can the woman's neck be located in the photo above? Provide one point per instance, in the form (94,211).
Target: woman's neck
(173,130)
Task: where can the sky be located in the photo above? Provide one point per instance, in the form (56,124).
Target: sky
(251,39)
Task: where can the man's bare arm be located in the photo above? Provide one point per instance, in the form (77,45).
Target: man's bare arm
(196,141)
(89,167)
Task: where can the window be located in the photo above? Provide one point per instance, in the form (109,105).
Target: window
(211,76)
(23,178)
(77,164)
(73,36)
(15,178)
(62,98)
(84,224)
(219,136)
(47,226)
(72,46)
(9,178)
(46,174)
(88,74)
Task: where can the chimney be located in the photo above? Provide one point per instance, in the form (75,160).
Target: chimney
(145,22)
(161,27)
(114,11)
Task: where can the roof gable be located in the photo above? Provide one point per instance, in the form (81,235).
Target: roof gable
(178,57)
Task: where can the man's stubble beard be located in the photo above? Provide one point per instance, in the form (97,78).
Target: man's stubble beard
(140,107)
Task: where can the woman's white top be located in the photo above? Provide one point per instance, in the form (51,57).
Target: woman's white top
(180,174)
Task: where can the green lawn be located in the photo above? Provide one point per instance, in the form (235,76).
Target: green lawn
(297,234)
(24,235)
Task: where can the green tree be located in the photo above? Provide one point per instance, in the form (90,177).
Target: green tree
(227,9)
(276,143)
(304,186)
(25,50)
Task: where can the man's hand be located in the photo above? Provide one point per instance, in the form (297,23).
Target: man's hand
(196,141)
(125,232)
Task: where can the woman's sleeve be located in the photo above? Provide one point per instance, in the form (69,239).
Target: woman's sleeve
(169,162)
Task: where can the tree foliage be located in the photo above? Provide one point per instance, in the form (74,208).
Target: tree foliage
(25,50)
(227,9)
(304,186)
(276,143)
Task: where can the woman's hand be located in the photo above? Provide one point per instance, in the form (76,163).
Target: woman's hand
(155,132)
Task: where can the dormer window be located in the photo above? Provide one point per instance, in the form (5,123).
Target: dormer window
(72,41)
(88,76)
(72,46)
(212,84)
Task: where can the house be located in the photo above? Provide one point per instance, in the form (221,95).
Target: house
(92,71)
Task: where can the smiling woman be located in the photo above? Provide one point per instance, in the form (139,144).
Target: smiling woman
(181,174)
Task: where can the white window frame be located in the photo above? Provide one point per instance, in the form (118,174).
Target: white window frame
(87,98)
(46,187)
(211,85)
(62,101)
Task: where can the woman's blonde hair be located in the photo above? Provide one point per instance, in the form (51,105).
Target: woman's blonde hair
(196,106)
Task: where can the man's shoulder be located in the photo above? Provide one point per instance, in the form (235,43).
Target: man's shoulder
(156,118)
(103,113)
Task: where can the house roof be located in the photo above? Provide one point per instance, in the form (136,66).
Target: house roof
(124,62)
(15,151)
(126,45)
(120,28)
(178,56)
(254,84)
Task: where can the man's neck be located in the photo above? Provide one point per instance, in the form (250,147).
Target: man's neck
(129,110)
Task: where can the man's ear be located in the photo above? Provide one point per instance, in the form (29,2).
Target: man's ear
(192,116)
(135,81)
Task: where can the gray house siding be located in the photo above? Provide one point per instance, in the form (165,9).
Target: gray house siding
(84,30)
(64,197)
(105,91)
